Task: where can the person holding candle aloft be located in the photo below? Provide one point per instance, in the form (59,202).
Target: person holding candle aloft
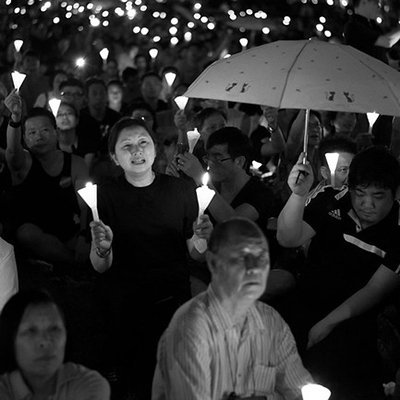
(352,267)
(47,214)
(140,247)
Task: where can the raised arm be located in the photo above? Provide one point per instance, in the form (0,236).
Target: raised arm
(276,143)
(388,39)
(381,284)
(294,140)
(293,231)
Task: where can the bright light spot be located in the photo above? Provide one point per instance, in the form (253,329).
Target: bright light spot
(242,14)
(204,19)
(266,30)
(156,39)
(8,2)
(322,20)
(119,11)
(80,28)
(328,33)
(136,29)
(81,9)
(68,15)
(69,8)
(188,36)
(105,14)
(314,1)
(105,23)
(143,8)
(156,14)
(191,24)
(330,2)
(17,10)
(173,30)
(379,20)
(163,15)
(131,13)
(144,31)
(211,26)
(23,11)
(249,11)
(197,16)
(45,6)
(64,4)
(233,17)
(197,6)
(286,21)
(243,42)
(138,2)
(90,6)
(80,62)
(227,55)
(319,27)
(231,12)
(94,21)
(344,3)
(56,20)
(174,41)
(76,6)
(153,53)
(174,21)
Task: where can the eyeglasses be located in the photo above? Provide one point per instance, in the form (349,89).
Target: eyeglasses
(74,95)
(214,159)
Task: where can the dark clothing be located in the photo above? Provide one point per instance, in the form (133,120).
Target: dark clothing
(161,104)
(89,135)
(361,33)
(48,202)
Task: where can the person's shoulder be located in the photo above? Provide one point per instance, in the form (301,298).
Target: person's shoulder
(270,317)
(173,181)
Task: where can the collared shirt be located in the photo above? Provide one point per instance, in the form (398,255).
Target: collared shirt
(73,382)
(203,355)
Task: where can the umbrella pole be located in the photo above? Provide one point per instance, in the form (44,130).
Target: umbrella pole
(305,142)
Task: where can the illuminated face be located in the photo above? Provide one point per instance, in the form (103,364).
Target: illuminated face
(115,94)
(66,118)
(97,96)
(40,135)
(221,165)
(212,124)
(314,131)
(151,87)
(40,341)
(240,269)
(135,150)
(74,95)
(371,204)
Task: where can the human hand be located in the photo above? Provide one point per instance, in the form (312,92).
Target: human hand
(301,177)
(388,388)
(180,120)
(270,115)
(102,235)
(172,169)
(190,165)
(14,103)
(319,332)
(203,227)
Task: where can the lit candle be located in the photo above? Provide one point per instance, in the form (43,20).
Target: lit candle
(54,105)
(18,79)
(89,195)
(80,62)
(372,117)
(153,53)
(204,195)
(18,44)
(181,101)
(332,159)
(193,137)
(170,78)
(313,391)
(104,54)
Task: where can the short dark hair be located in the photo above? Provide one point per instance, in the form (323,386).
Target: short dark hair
(55,73)
(10,319)
(375,166)
(334,144)
(40,112)
(123,123)
(225,231)
(203,115)
(71,106)
(150,74)
(129,72)
(71,82)
(238,143)
(94,80)
(115,82)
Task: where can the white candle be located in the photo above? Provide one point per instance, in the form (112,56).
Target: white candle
(104,54)
(204,195)
(54,105)
(313,391)
(170,78)
(18,44)
(372,117)
(332,159)
(181,101)
(89,195)
(193,137)
(18,79)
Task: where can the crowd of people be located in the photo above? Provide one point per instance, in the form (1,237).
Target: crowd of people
(300,262)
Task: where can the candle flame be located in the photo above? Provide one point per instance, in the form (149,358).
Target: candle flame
(54,105)
(18,44)
(205,179)
(181,101)
(313,391)
(170,78)
(18,79)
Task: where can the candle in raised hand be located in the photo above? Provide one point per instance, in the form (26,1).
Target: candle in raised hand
(204,195)
(89,194)
(18,79)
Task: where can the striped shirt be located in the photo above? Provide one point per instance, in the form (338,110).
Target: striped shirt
(202,355)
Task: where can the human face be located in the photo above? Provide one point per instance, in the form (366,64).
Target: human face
(220,163)
(30,65)
(146,115)
(212,124)
(314,131)
(240,269)
(345,122)
(74,95)
(97,96)
(115,94)
(40,135)
(61,77)
(66,118)
(151,87)
(135,150)
(40,341)
(371,204)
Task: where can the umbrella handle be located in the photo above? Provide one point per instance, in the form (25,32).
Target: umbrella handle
(305,142)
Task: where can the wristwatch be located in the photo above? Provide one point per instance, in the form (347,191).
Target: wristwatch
(14,124)
(272,130)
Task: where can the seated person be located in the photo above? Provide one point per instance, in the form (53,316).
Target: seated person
(352,266)
(48,214)
(32,353)
(224,344)
(8,272)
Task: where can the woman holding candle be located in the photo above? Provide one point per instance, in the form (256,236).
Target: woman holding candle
(140,245)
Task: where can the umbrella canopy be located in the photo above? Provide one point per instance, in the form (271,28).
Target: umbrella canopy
(303,74)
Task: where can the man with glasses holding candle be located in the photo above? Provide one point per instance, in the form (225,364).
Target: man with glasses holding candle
(352,267)
(224,344)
